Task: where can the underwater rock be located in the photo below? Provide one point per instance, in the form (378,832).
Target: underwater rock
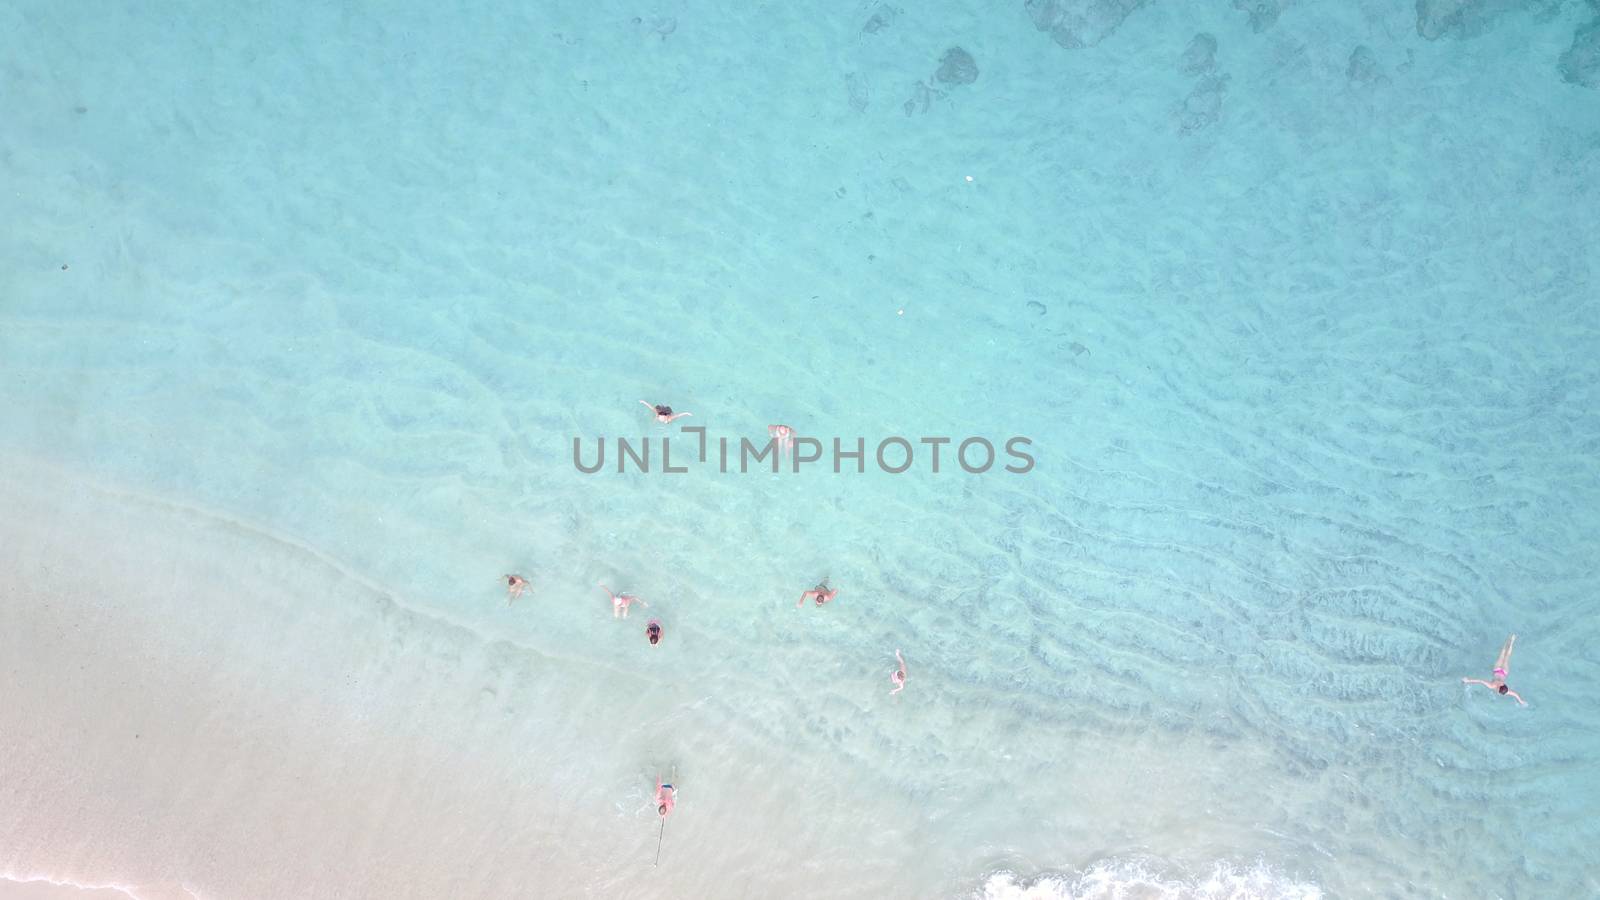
(1363,67)
(1263,13)
(1203,106)
(922,97)
(1470,18)
(956,67)
(1037,307)
(1436,18)
(1200,56)
(857,90)
(1074,24)
(660,26)
(1581,63)
(882,18)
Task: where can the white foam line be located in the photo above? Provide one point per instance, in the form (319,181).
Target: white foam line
(124,889)
(66,882)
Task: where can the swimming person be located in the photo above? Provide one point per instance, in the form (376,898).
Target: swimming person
(666,798)
(664,414)
(653,632)
(783,436)
(898,679)
(515,585)
(620,602)
(1502,668)
(821,592)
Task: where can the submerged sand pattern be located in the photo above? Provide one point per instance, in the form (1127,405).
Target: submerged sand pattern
(1311,386)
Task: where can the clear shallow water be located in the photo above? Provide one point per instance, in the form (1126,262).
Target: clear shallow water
(1312,394)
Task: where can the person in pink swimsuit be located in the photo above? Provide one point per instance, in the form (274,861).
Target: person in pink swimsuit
(621,602)
(515,586)
(666,798)
(822,593)
(898,677)
(783,436)
(664,414)
(1502,668)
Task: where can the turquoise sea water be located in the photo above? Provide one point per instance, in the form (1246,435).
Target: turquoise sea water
(301,309)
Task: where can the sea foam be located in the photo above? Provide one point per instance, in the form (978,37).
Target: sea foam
(1137,880)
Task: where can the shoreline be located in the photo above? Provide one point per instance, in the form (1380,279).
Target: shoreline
(337,731)
(376,721)
(20,887)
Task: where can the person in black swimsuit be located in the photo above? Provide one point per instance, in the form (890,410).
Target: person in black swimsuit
(664,414)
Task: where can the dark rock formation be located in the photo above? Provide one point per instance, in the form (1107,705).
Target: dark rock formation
(1080,23)
(882,18)
(1201,55)
(1203,106)
(921,99)
(1363,68)
(1263,13)
(1470,18)
(858,91)
(1581,63)
(956,67)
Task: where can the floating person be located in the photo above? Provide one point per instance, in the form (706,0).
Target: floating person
(1502,668)
(653,632)
(516,585)
(666,797)
(783,436)
(898,677)
(821,592)
(664,414)
(620,603)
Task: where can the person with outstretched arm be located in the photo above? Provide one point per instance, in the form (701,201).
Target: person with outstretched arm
(1502,668)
